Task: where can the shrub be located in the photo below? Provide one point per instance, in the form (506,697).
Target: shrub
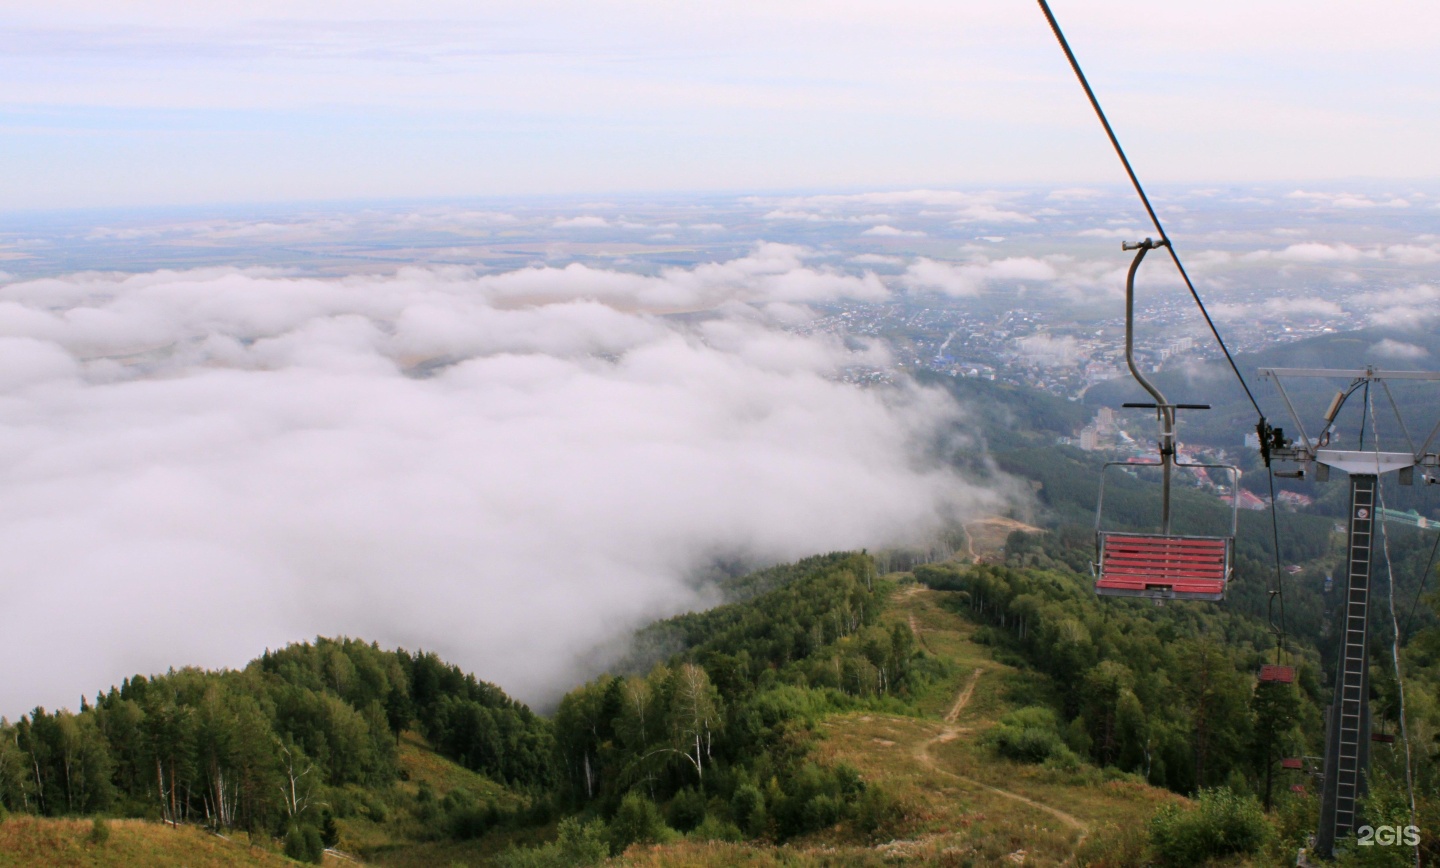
(877,813)
(329,832)
(472,822)
(637,821)
(687,810)
(820,812)
(1222,822)
(716,829)
(1031,735)
(303,844)
(576,845)
(747,807)
(376,809)
(99,831)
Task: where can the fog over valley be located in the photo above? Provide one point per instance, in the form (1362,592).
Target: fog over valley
(509,469)
(512,431)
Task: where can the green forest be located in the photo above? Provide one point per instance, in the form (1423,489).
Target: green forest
(720,740)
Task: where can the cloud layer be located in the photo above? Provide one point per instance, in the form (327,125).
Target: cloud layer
(508,469)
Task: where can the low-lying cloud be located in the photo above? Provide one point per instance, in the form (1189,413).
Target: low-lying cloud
(970,278)
(508,469)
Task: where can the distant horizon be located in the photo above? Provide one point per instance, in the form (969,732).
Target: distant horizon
(1366,183)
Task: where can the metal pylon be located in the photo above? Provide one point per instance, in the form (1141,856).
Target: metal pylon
(1347,731)
(1347,735)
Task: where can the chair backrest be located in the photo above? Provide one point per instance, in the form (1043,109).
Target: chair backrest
(1276,672)
(1163,566)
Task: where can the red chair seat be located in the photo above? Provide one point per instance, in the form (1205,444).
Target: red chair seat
(1163,567)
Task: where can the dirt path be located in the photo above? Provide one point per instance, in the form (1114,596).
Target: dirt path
(970,544)
(964,697)
(915,623)
(951,731)
(915,629)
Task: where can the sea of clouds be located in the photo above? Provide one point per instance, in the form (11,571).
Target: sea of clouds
(509,469)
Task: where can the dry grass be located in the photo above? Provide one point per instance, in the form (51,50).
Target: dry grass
(64,843)
(419,762)
(987,536)
(400,841)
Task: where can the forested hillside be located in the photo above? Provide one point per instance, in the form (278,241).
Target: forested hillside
(282,748)
(981,710)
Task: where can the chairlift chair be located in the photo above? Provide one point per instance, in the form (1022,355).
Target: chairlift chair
(1165,565)
(1277,673)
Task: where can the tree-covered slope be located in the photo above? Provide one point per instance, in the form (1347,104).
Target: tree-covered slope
(966,712)
(299,738)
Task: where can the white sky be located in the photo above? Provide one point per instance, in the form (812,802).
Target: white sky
(169,102)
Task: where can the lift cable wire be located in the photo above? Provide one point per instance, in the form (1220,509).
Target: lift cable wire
(1424,578)
(1145,200)
(1262,428)
(1394,624)
(1281,652)
(1429,563)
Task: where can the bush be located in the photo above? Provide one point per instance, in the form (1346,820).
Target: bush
(303,844)
(1221,823)
(877,813)
(472,822)
(376,809)
(716,829)
(99,831)
(687,810)
(576,845)
(820,812)
(1031,735)
(747,807)
(637,821)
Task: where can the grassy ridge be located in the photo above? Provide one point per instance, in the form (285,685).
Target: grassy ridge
(66,843)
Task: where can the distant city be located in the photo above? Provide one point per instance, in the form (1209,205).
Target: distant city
(1019,286)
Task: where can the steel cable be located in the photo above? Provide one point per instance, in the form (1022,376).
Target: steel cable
(1394,623)
(1145,200)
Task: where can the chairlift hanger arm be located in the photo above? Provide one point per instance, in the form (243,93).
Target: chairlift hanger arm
(1140,249)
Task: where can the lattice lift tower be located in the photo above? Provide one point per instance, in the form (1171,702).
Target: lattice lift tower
(1347,729)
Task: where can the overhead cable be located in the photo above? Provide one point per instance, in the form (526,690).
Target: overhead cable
(1394,623)
(1145,200)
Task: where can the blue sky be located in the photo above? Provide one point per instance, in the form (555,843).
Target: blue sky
(150,103)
